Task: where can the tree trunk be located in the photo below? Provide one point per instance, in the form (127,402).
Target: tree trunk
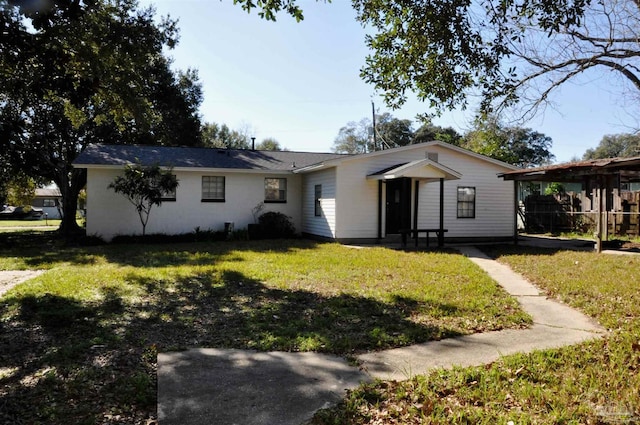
(70,185)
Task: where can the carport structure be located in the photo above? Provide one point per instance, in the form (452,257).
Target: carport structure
(601,182)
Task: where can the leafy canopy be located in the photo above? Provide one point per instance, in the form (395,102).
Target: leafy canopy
(615,145)
(515,145)
(519,146)
(82,72)
(504,53)
(144,187)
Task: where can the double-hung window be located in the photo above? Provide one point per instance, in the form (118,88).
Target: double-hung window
(169,196)
(275,190)
(466,202)
(213,189)
(317,197)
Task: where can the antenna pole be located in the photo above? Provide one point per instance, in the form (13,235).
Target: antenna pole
(373,114)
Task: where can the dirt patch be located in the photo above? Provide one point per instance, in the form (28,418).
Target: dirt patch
(11,278)
(631,246)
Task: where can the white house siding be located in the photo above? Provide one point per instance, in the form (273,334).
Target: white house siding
(111,214)
(494,199)
(357,209)
(357,197)
(325,225)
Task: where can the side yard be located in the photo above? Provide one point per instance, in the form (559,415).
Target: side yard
(592,383)
(78,344)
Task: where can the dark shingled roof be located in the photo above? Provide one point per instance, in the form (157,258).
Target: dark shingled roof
(180,157)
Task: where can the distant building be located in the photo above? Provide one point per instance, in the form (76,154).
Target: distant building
(50,201)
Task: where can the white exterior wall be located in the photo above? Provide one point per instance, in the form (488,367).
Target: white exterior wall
(494,199)
(110,214)
(325,225)
(357,197)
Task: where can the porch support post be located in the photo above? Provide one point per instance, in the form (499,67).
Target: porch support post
(601,191)
(441,233)
(379,210)
(516,208)
(415,204)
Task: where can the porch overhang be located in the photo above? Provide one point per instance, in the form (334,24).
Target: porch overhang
(423,169)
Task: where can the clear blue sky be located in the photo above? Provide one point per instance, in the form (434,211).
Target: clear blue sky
(299,82)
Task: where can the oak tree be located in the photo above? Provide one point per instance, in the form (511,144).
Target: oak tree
(615,145)
(519,146)
(502,52)
(81,72)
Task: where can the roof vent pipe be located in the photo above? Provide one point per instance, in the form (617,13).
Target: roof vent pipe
(253,143)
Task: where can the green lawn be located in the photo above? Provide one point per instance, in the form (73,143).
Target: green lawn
(20,224)
(592,383)
(79,343)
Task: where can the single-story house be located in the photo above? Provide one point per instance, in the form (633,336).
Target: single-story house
(365,197)
(49,200)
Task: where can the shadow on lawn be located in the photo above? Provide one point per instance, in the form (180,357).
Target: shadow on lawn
(233,311)
(45,249)
(68,361)
(498,250)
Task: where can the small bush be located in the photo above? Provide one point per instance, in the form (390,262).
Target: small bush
(276,225)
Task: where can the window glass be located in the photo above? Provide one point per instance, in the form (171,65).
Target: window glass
(466,202)
(275,190)
(318,196)
(213,188)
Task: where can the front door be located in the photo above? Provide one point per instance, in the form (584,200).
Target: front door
(398,205)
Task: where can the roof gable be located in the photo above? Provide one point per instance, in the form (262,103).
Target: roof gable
(418,146)
(422,169)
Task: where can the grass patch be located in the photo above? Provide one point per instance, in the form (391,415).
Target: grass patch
(597,382)
(30,223)
(83,336)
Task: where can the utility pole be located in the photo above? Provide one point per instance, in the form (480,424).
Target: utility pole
(373,113)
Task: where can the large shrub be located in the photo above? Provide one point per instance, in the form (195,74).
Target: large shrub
(276,225)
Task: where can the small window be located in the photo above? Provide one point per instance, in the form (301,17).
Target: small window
(466,202)
(317,197)
(275,190)
(48,202)
(213,189)
(170,196)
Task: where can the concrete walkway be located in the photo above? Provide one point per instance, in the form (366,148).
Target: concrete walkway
(554,325)
(218,386)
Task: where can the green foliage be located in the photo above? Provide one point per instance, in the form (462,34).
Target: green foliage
(615,145)
(220,136)
(269,144)
(514,145)
(429,131)
(391,132)
(276,225)
(78,73)
(498,51)
(21,190)
(144,187)
(554,189)
(355,138)
(268,9)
